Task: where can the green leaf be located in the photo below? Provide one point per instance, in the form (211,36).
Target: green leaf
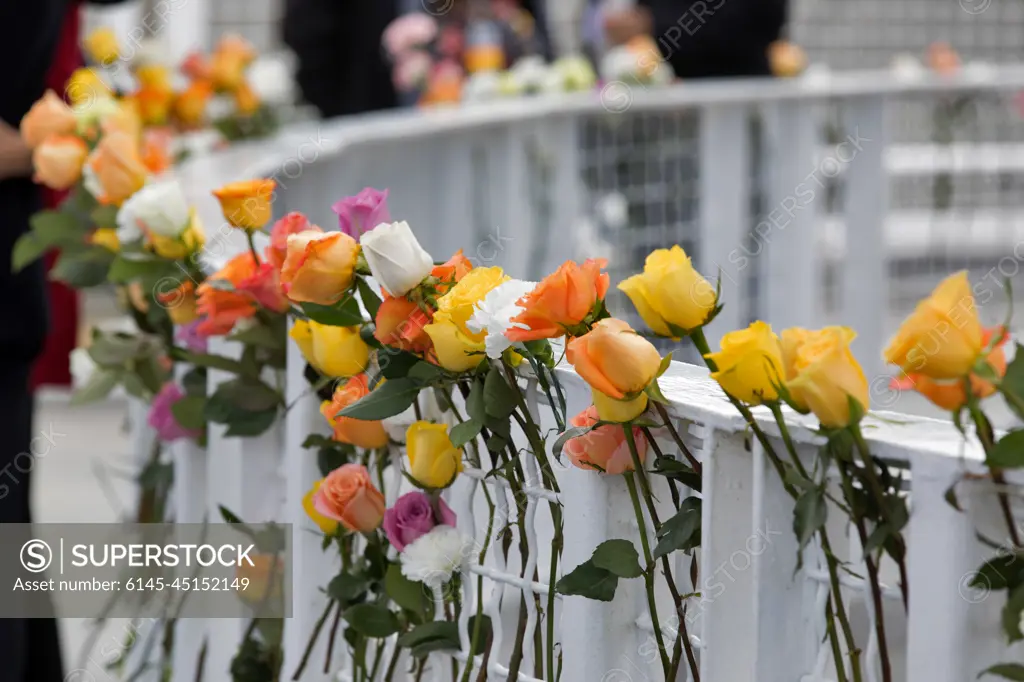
(251,424)
(104,215)
(126,268)
(1013,380)
(465,432)
(371,301)
(666,362)
(387,400)
(500,399)
(28,249)
(439,635)
(396,364)
(82,269)
(809,515)
(1009,671)
(1012,613)
(590,581)
(677,471)
(260,336)
(115,350)
(345,313)
(1008,452)
(1002,572)
(541,351)
(569,434)
(330,458)
(425,373)
(653,391)
(188,412)
(194,382)
(618,557)
(408,594)
(371,620)
(241,395)
(101,382)
(682,531)
(475,401)
(347,588)
(229,516)
(209,360)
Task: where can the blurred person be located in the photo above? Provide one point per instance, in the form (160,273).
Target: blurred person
(704,38)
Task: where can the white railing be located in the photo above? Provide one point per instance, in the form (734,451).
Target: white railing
(506,180)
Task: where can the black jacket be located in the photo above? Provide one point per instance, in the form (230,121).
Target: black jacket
(341,64)
(714,38)
(29,43)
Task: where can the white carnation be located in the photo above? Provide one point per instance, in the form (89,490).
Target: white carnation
(494,313)
(434,557)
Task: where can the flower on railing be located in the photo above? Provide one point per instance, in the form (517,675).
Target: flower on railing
(366,434)
(333,351)
(349,496)
(413,516)
(603,447)
(670,295)
(362,212)
(434,462)
(565,302)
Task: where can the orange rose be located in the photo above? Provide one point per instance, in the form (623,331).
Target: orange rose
(400,324)
(246,204)
(348,495)
(156,143)
(561,302)
(246,99)
(59,160)
(180,303)
(614,359)
(222,309)
(154,104)
(293,223)
(319,267)
(451,272)
(229,61)
(190,106)
(950,394)
(117,167)
(368,435)
(196,66)
(603,449)
(48,116)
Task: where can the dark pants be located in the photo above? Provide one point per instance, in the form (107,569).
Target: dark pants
(29,648)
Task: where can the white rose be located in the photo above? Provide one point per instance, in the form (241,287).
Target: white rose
(434,557)
(161,208)
(494,313)
(396,259)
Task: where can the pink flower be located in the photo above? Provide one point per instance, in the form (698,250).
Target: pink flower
(363,212)
(451,42)
(411,70)
(293,223)
(408,32)
(412,517)
(162,420)
(264,286)
(191,338)
(604,448)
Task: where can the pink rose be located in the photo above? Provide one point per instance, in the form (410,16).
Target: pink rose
(604,448)
(162,420)
(363,212)
(348,495)
(408,32)
(264,286)
(293,223)
(412,517)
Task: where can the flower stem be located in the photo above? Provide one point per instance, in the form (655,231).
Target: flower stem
(833,638)
(312,640)
(694,462)
(683,636)
(673,489)
(987,437)
(252,247)
(648,572)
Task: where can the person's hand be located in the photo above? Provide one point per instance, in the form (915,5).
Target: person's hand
(624,25)
(15,155)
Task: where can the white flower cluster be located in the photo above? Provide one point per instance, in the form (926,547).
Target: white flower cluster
(433,558)
(531,76)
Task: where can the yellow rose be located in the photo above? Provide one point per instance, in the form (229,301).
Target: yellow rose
(117,168)
(48,116)
(190,241)
(611,410)
(334,351)
(433,460)
(614,359)
(246,99)
(824,373)
(229,61)
(123,117)
(750,364)
(246,204)
(85,87)
(154,76)
(328,525)
(670,292)
(942,338)
(107,238)
(101,45)
(458,349)
(154,104)
(58,161)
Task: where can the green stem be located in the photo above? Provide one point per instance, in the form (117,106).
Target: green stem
(252,247)
(833,638)
(673,489)
(694,462)
(376,660)
(987,437)
(648,573)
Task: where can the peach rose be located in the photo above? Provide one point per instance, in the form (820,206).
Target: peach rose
(561,302)
(117,167)
(246,204)
(293,223)
(48,116)
(264,286)
(190,105)
(222,309)
(319,267)
(614,359)
(59,160)
(950,394)
(349,496)
(400,324)
(156,144)
(603,449)
(368,435)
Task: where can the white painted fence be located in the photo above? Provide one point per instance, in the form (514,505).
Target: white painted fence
(506,182)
